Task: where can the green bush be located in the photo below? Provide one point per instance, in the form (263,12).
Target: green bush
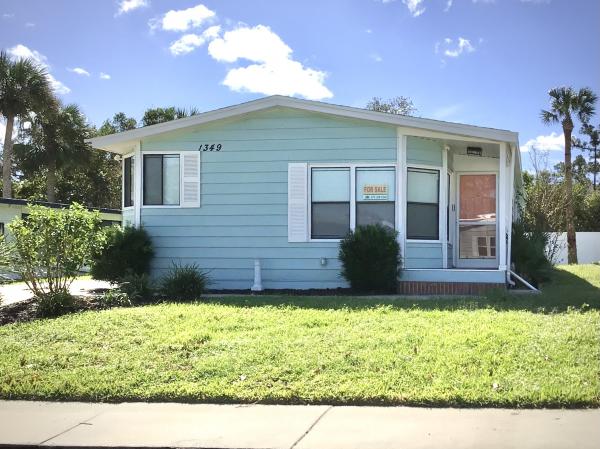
(371,259)
(184,282)
(51,305)
(51,246)
(128,250)
(528,250)
(138,287)
(114,298)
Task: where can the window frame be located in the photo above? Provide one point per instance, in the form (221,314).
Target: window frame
(352,166)
(132,207)
(441,189)
(162,153)
(131,158)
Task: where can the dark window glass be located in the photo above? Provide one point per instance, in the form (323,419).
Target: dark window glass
(422,208)
(422,221)
(373,213)
(128,182)
(153,179)
(330,220)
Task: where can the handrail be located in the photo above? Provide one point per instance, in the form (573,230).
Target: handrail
(527,284)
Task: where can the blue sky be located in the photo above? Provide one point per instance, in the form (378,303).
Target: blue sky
(482,62)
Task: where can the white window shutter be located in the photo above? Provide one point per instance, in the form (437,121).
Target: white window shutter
(297,202)
(190,180)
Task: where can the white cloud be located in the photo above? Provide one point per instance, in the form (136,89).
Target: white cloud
(375,57)
(29,24)
(184,19)
(126,6)
(104,76)
(189,42)
(8,15)
(79,71)
(448,5)
(273,70)
(368,31)
(447,112)
(462,46)
(552,142)
(21,51)
(414,7)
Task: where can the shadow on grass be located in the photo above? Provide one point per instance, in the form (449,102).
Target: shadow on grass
(564,291)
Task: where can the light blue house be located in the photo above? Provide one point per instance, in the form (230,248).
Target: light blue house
(281,180)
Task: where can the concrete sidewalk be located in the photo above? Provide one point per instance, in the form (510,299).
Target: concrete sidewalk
(301,427)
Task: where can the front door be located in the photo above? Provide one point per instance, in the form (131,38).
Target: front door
(477,230)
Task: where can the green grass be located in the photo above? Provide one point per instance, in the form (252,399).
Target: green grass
(526,351)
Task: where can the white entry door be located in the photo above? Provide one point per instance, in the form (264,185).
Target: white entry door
(477,231)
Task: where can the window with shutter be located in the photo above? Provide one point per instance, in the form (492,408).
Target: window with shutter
(190,182)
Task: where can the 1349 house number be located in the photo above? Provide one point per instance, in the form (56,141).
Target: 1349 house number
(210,147)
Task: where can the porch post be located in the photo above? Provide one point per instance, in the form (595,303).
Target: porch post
(401,191)
(501,218)
(510,202)
(443,224)
(137,201)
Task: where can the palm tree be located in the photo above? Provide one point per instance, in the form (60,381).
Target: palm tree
(565,103)
(24,88)
(55,140)
(592,145)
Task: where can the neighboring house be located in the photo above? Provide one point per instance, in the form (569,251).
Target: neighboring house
(15,208)
(281,180)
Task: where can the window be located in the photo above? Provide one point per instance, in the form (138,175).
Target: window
(330,203)
(128,186)
(161,179)
(477,216)
(422,208)
(375,196)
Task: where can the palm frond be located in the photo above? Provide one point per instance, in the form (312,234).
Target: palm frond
(549,117)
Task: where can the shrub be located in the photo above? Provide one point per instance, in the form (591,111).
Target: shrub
(114,298)
(528,250)
(370,259)
(137,287)
(128,250)
(51,246)
(56,304)
(184,282)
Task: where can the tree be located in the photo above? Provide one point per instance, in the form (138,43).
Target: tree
(397,105)
(592,145)
(153,116)
(119,123)
(565,103)
(24,87)
(55,140)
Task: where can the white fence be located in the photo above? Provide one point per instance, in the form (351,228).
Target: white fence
(588,247)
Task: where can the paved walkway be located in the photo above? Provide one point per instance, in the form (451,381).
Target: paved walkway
(290,427)
(18,291)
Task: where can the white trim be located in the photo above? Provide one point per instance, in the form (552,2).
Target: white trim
(501,216)
(116,142)
(432,168)
(443,201)
(401,143)
(511,202)
(137,195)
(162,206)
(442,135)
(352,167)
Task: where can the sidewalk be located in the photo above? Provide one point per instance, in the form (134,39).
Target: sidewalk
(291,427)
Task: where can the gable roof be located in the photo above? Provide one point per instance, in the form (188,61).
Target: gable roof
(121,142)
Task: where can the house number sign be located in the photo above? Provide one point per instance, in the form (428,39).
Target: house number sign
(210,147)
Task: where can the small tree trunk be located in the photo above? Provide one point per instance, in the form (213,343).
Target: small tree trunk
(570,214)
(7,158)
(595,166)
(51,177)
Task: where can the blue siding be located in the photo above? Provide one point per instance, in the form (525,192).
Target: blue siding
(423,255)
(423,151)
(243,213)
(128,217)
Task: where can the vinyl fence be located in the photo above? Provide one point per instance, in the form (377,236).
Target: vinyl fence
(588,247)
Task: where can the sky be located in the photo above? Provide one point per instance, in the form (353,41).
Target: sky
(481,62)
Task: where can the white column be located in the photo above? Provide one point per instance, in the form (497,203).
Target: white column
(503,180)
(511,201)
(137,201)
(401,190)
(443,206)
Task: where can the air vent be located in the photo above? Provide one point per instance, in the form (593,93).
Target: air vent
(474,151)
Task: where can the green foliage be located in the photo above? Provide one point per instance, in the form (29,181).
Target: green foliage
(128,250)
(53,245)
(119,123)
(396,105)
(370,259)
(154,116)
(184,282)
(55,304)
(138,287)
(528,250)
(114,298)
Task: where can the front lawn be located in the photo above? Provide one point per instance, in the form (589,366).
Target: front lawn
(500,351)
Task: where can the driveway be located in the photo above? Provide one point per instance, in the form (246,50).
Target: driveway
(18,291)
